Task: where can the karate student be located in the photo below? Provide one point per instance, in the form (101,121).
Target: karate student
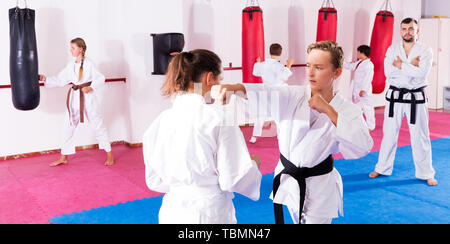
(272,72)
(407,65)
(84,79)
(313,123)
(189,152)
(362,83)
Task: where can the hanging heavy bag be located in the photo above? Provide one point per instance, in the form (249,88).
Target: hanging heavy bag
(23,59)
(382,34)
(252,41)
(164,48)
(327,22)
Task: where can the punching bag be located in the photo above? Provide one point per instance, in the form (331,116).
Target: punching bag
(165,46)
(382,34)
(23,67)
(327,22)
(252,42)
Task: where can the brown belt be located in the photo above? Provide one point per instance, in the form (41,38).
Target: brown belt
(78,87)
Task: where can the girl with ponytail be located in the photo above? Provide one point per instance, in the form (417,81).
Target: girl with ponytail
(84,80)
(190,155)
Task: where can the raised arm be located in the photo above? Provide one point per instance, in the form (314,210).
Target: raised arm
(63,78)
(350,66)
(257,69)
(283,72)
(263,101)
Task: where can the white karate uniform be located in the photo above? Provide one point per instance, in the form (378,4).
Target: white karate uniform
(272,73)
(409,77)
(198,162)
(362,81)
(70,74)
(306,138)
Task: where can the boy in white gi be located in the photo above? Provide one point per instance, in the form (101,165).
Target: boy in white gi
(313,123)
(189,152)
(362,84)
(272,73)
(407,66)
(84,80)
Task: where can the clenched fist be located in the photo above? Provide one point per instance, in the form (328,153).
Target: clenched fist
(289,63)
(42,78)
(222,93)
(398,62)
(87,89)
(318,103)
(219,93)
(416,61)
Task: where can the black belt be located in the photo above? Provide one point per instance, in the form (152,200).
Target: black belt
(400,99)
(299,174)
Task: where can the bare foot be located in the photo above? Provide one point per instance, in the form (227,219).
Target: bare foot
(61,160)
(110,160)
(432,182)
(374,174)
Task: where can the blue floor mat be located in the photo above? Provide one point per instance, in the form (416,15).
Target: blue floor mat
(397,199)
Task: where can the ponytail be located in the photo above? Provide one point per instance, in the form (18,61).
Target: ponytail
(189,67)
(80,76)
(178,77)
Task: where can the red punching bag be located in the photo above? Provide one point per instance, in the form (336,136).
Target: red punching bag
(327,23)
(252,41)
(382,34)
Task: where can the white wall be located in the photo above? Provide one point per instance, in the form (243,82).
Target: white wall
(432,8)
(118,37)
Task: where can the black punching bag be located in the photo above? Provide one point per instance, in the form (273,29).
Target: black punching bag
(23,66)
(163,46)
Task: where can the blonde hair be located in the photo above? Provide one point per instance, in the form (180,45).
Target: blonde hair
(337,54)
(81,44)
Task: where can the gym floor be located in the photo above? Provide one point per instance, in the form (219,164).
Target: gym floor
(85,191)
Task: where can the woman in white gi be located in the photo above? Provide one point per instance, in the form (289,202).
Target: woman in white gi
(189,152)
(272,73)
(407,65)
(313,122)
(362,84)
(85,80)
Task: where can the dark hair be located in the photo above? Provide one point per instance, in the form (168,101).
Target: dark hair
(188,67)
(276,49)
(409,20)
(337,54)
(364,49)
